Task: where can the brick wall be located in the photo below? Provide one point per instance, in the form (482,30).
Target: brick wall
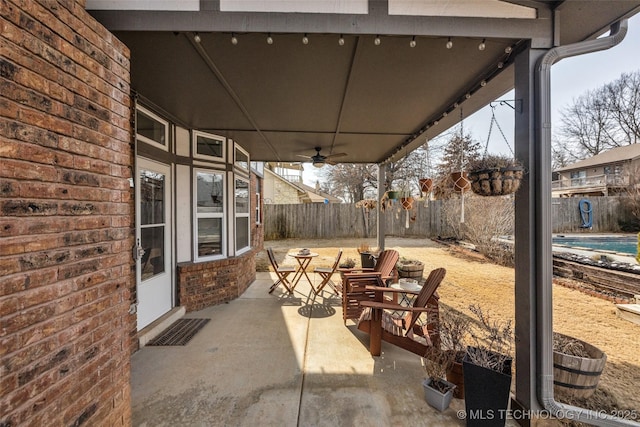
(66,218)
(204,284)
(209,283)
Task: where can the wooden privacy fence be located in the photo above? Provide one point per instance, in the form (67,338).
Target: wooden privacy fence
(343,220)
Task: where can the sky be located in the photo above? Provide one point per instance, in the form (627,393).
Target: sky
(570,78)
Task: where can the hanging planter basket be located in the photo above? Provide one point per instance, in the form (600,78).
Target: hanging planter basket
(407,203)
(426,185)
(495,176)
(460,181)
(393,195)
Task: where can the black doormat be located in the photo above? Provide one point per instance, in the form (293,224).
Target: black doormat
(179,333)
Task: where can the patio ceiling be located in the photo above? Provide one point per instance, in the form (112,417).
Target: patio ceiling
(373,102)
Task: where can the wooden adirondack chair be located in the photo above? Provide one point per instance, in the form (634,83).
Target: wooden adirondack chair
(326,273)
(380,321)
(282,273)
(355,282)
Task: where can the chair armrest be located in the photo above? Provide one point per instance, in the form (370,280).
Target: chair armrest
(391,290)
(392,306)
(371,273)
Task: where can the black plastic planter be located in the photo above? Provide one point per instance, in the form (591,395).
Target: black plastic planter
(486,393)
(367,260)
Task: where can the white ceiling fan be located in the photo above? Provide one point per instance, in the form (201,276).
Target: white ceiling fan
(318,160)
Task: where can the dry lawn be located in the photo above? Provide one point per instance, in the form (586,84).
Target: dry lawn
(472,280)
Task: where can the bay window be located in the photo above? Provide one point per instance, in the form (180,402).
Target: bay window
(242,203)
(209,214)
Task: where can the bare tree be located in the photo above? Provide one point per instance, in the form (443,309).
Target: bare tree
(623,98)
(588,127)
(601,119)
(460,149)
(350,181)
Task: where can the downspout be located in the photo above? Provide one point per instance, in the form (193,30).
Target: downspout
(545,338)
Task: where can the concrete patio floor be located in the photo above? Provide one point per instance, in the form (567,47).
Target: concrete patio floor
(281,360)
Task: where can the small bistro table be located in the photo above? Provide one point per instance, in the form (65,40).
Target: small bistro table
(303,259)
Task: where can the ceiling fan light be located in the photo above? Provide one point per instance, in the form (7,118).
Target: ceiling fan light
(317,164)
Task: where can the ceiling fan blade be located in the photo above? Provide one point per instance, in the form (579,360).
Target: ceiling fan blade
(331,156)
(303,156)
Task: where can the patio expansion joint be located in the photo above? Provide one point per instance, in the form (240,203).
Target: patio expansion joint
(304,362)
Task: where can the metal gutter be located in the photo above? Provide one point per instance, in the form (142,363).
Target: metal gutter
(543,213)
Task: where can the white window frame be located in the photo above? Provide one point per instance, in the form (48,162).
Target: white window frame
(220,138)
(222,215)
(237,148)
(242,215)
(258,209)
(157,118)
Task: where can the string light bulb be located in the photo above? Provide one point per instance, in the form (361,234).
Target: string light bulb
(305,39)
(500,64)
(482,44)
(234,39)
(467,95)
(508,49)
(341,40)
(483,83)
(377,41)
(449,44)
(412,43)
(196,38)
(269,39)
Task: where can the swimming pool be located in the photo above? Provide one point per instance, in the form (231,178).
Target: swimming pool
(622,244)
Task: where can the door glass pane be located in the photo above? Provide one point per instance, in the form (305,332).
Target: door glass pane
(210,193)
(151,197)
(242,196)
(152,241)
(242,232)
(209,236)
(150,128)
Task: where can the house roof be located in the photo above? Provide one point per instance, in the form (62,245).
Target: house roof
(615,155)
(315,196)
(342,91)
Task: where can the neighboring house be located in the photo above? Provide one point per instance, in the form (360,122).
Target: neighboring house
(283,186)
(605,174)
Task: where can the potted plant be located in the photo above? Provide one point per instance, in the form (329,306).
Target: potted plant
(487,371)
(410,268)
(577,366)
(453,330)
(426,185)
(460,180)
(495,175)
(438,392)
(367,258)
(348,263)
(367,204)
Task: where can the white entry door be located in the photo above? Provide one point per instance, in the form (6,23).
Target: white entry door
(153,238)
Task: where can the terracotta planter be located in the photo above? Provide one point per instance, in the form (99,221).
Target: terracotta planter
(460,181)
(407,202)
(426,185)
(456,376)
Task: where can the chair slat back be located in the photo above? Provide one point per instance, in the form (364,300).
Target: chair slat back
(337,261)
(272,259)
(386,262)
(430,285)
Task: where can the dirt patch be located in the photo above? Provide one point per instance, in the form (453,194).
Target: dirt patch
(473,280)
